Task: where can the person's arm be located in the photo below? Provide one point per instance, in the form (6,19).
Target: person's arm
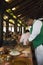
(36,30)
(22,37)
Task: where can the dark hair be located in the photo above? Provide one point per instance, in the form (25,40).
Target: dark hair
(29,19)
(27,31)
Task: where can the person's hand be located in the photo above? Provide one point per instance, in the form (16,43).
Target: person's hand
(28,43)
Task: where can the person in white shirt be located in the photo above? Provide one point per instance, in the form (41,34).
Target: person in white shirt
(36,37)
(24,37)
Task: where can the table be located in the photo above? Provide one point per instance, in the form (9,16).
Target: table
(22,59)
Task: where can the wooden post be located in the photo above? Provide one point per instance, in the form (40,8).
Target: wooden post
(1,29)
(7,28)
(15,26)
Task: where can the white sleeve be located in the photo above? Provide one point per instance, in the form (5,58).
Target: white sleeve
(22,38)
(36,30)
